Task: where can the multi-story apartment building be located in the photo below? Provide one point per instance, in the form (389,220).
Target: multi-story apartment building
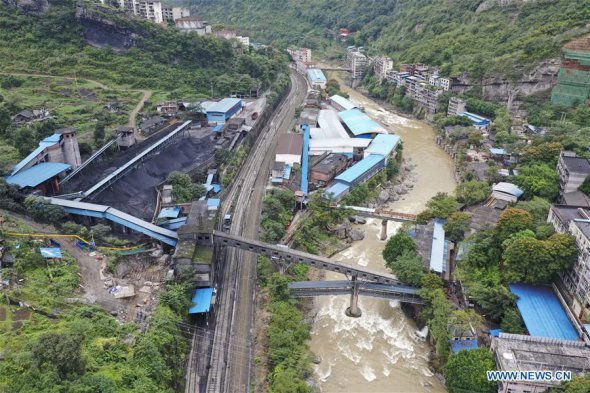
(356,61)
(382,66)
(300,55)
(572,170)
(456,106)
(192,23)
(174,13)
(575,221)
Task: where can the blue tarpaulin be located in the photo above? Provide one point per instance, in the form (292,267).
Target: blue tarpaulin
(458,345)
(52,252)
(201,301)
(495,332)
(542,312)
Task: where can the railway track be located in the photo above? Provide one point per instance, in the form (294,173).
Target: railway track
(229,370)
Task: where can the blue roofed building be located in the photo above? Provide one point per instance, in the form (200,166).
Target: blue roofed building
(359,173)
(201,301)
(316,78)
(342,104)
(360,125)
(222,111)
(43,176)
(479,123)
(506,192)
(542,312)
(383,144)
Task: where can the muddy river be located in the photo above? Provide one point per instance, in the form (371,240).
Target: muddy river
(378,352)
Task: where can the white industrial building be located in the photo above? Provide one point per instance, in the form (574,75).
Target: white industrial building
(289,149)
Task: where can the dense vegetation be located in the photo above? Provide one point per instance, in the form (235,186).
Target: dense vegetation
(454,35)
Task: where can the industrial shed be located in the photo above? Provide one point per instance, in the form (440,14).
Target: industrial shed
(224,110)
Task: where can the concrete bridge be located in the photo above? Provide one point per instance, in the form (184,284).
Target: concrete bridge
(362,280)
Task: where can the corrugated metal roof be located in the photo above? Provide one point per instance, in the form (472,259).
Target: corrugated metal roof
(224,105)
(290,144)
(329,120)
(345,103)
(360,168)
(201,301)
(49,141)
(336,190)
(338,142)
(358,123)
(316,75)
(438,250)
(475,119)
(508,188)
(37,174)
(383,144)
(497,150)
(169,212)
(542,312)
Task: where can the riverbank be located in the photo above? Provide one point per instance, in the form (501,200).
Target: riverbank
(379,352)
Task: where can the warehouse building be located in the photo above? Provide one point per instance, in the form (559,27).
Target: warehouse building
(327,168)
(348,147)
(383,144)
(360,125)
(224,110)
(359,173)
(329,121)
(289,149)
(342,104)
(316,78)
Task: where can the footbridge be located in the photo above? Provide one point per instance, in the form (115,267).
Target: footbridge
(382,214)
(120,172)
(362,280)
(109,213)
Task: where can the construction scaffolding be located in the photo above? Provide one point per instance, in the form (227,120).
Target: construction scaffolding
(573,79)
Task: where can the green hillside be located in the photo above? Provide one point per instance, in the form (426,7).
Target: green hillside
(451,34)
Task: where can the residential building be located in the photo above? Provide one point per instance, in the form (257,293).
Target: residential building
(317,79)
(382,66)
(147,9)
(437,81)
(575,220)
(300,55)
(191,23)
(506,192)
(572,170)
(289,149)
(456,106)
(151,125)
(30,116)
(423,94)
(356,62)
(174,13)
(526,353)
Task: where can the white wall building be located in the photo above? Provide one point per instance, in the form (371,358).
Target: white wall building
(357,62)
(174,13)
(382,66)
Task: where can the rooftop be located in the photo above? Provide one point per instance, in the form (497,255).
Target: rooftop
(463,344)
(37,174)
(525,353)
(475,119)
(383,144)
(542,312)
(438,254)
(198,219)
(576,198)
(329,120)
(330,162)
(568,213)
(508,188)
(316,75)
(201,301)
(336,190)
(345,103)
(576,164)
(49,141)
(360,168)
(339,142)
(359,123)
(224,105)
(290,144)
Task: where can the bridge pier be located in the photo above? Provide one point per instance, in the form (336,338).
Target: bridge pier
(383,230)
(354,311)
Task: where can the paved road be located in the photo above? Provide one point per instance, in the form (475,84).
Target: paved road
(231,350)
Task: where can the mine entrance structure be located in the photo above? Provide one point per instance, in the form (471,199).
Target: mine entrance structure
(362,280)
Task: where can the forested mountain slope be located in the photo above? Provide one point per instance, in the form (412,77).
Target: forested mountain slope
(459,35)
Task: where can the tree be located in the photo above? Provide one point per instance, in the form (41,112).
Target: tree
(466,372)
(99,133)
(456,226)
(464,321)
(512,322)
(529,260)
(409,268)
(538,207)
(100,231)
(183,188)
(396,246)
(543,153)
(512,221)
(61,351)
(9,156)
(563,250)
(576,385)
(41,210)
(440,206)
(472,192)
(494,300)
(538,180)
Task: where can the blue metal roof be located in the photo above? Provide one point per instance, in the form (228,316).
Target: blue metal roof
(316,75)
(201,301)
(37,174)
(218,128)
(224,106)
(463,344)
(438,250)
(174,224)
(383,144)
(358,123)
(495,332)
(542,312)
(475,119)
(52,252)
(345,103)
(49,141)
(508,188)
(336,190)
(305,160)
(497,151)
(213,202)
(287,172)
(169,212)
(360,168)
